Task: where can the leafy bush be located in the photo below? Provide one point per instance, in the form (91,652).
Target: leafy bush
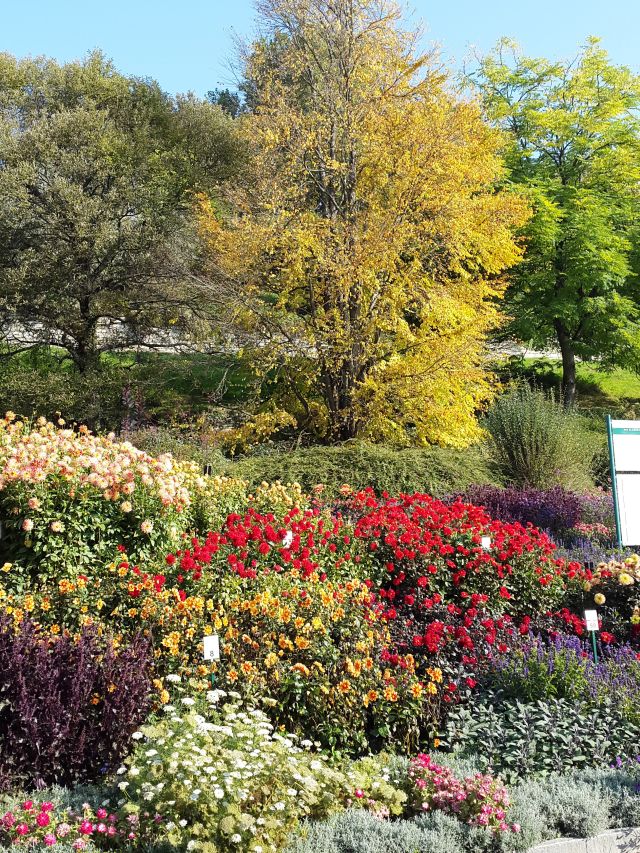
(67,706)
(224,778)
(614,588)
(518,739)
(42,824)
(36,385)
(477,800)
(69,498)
(436,470)
(424,552)
(318,650)
(536,442)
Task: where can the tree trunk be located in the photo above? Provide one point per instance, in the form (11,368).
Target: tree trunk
(568,364)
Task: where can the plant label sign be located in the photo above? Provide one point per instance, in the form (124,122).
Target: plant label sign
(485,543)
(211,647)
(591,618)
(624,455)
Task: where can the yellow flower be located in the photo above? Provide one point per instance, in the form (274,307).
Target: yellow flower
(599,598)
(301,668)
(344,686)
(436,742)
(6,567)
(431,688)
(416,691)
(271,660)
(390,694)
(625,579)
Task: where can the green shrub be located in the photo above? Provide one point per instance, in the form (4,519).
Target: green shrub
(536,442)
(182,444)
(515,739)
(38,385)
(435,470)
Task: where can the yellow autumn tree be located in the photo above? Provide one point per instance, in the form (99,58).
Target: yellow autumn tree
(367,237)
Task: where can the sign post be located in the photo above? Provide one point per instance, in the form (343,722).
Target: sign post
(624,456)
(591,618)
(211,651)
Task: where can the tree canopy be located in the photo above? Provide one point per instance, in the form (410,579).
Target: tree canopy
(367,233)
(97,175)
(574,149)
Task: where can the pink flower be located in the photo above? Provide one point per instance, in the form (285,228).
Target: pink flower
(8,820)
(46,807)
(22,829)
(101,814)
(43,819)
(111,830)
(27,525)
(27,805)
(50,839)
(63,829)
(515,827)
(102,827)
(359,793)
(79,844)
(86,827)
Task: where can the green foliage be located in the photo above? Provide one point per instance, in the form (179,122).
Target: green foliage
(518,739)
(225,778)
(536,442)
(97,176)
(437,471)
(573,142)
(36,383)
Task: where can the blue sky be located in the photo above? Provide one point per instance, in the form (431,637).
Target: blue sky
(186,44)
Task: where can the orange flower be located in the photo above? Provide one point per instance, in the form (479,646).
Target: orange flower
(390,694)
(416,691)
(247,667)
(301,668)
(344,686)
(233,675)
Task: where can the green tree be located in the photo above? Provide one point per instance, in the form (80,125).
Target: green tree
(573,147)
(97,176)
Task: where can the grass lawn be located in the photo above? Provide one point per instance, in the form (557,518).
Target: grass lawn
(595,387)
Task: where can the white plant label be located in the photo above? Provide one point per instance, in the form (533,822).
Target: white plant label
(486,543)
(591,618)
(288,538)
(211,644)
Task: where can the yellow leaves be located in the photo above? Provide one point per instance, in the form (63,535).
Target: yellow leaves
(368,235)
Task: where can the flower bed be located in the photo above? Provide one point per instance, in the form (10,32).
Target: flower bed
(396,623)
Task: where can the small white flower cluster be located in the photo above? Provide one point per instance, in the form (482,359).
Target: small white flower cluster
(251,784)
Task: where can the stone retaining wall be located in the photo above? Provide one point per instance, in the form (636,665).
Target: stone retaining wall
(613,841)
